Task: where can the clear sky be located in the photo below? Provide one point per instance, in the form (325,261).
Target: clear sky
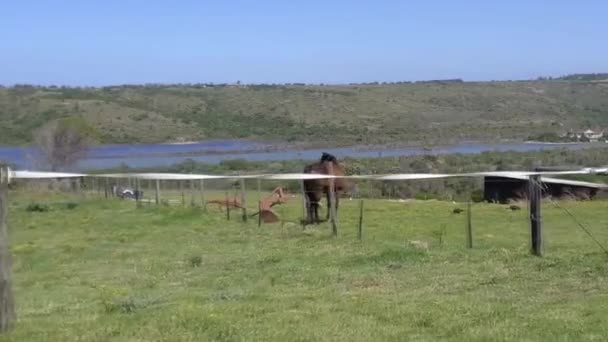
(135,41)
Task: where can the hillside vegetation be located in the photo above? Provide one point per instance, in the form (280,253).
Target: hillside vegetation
(424,112)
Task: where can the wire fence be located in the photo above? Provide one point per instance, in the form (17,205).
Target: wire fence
(443,223)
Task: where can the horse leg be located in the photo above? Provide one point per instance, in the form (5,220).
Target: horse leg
(312,212)
(315,210)
(308,218)
(337,199)
(328,206)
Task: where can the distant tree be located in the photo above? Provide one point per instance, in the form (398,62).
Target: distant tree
(62,143)
(585,77)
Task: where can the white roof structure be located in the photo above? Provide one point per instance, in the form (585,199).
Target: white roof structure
(523,175)
(560,181)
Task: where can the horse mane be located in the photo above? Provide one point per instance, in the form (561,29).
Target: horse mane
(328,157)
(321,167)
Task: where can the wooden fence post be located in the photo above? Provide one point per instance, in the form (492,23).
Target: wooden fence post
(157,198)
(106,190)
(77,185)
(149,191)
(227,206)
(259,202)
(181,189)
(202,188)
(7,300)
(360,231)
(137,193)
(534,195)
(332,202)
(304,206)
(469,228)
(192,202)
(244,199)
(94,187)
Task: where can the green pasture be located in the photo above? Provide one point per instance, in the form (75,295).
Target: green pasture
(90,269)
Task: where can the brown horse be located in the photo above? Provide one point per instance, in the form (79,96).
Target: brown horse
(315,188)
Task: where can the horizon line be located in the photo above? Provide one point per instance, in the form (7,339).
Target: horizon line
(295,83)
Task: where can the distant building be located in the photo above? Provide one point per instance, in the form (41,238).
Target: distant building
(588,135)
(593,136)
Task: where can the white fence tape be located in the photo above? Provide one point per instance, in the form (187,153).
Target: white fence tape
(409,176)
(298,176)
(159,176)
(302,176)
(43,175)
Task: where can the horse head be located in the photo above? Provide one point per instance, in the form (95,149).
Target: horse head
(328,157)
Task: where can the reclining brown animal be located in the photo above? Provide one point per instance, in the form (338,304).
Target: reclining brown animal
(276,197)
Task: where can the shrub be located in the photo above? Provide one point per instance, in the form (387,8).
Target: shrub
(477,196)
(37,207)
(196,261)
(71,205)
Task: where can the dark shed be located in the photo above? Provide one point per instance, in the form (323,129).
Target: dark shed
(504,189)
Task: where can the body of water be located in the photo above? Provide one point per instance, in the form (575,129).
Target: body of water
(151,155)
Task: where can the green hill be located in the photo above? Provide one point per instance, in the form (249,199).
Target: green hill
(423,112)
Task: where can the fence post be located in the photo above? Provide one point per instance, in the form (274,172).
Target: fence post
(7,300)
(259,202)
(149,191)
(106,190)
(534,195)
(304,206)
(192,203)
(157,198)
(77,185)
(227,207)
(469,228)
(244,199)
(181,189)
(94,187)
(203,195)
(360,231)
(137,193)
(332,202)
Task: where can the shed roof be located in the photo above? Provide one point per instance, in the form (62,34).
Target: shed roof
(560,181)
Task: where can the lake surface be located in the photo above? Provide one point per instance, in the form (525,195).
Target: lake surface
(150,155)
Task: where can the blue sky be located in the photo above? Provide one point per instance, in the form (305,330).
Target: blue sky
(131,41)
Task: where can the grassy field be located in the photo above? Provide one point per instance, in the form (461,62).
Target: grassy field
(105,270)
(415,113)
